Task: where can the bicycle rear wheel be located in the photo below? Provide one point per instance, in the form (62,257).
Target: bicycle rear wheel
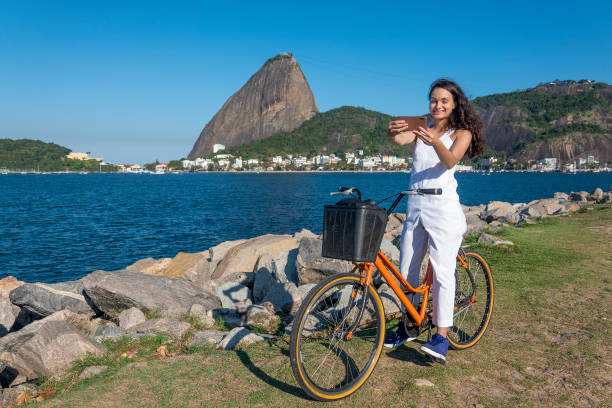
(337,337)
(473,301)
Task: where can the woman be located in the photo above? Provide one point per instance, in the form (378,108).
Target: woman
(437,221)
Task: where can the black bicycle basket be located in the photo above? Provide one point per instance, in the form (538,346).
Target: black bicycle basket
(353,230)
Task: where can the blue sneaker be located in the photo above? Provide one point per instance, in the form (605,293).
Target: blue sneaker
(399,336)
(436,349)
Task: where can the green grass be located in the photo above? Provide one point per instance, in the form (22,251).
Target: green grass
(152,314)
(220,324)
(196,322)
(547,344)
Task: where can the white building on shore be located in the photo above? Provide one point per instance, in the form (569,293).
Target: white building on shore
(187,164)
(548,164)
(463,167)
(366,163)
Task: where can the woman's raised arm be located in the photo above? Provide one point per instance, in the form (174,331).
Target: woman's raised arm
(399,134)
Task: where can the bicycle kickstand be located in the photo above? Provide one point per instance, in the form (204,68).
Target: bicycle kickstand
(429,332)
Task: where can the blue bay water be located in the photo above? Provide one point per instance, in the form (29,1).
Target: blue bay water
(58,227)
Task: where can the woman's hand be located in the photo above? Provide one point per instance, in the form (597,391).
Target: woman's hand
(448,157)
(399,133)
(426,136)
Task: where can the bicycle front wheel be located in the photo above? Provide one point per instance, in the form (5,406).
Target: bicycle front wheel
(337,337)
(473,301)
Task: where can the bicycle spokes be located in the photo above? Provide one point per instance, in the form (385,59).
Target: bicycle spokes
(473,300)
(336,344)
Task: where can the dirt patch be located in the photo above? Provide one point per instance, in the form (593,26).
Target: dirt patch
(601,229)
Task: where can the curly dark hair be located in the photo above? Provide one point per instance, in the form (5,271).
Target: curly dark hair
(463,116)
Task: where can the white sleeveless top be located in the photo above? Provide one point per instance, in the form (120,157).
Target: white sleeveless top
(441,213)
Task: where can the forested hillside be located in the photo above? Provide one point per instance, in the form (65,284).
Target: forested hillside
(562,119)
(339,130)
(35,155)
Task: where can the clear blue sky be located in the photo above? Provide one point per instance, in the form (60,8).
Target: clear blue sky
(137,81)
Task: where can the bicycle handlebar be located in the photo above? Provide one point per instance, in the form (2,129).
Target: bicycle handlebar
(347,191)
(420,191)
(432,191)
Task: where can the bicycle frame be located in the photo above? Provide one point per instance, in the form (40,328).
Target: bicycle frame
(391,274)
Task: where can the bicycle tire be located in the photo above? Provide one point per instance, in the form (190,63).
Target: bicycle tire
(473,301)
(314,338)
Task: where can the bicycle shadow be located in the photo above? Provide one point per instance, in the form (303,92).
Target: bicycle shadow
(411,355)
(348,362)
(267,378)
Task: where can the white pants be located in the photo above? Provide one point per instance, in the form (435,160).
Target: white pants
(443,248)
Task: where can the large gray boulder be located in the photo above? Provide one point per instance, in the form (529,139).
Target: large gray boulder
(261,318)
(218,252)
(580,196)
(232,317)
(394,226)
(544,208)
(234,294)
(200,273)
(162,325)
(149,265)
(204,317)
(263,282)
(571,207)
(91,371)
(313,324)
(524,220)
(45,299)
(113,292)
(239,336)
(396,220)
(304,233)
(206,337)
(7,285)
(7,318)
(607,197)
(390,251)
(283,267)
(109,331)
(312,267)
(473,209)
(561,197)
(9,377)
(184,263)
(485,238)
(15,395)
(46,346)
(243,257)
(391,303)
(286,297)
(474,223)
(597,194)
(131,317)
(498,210)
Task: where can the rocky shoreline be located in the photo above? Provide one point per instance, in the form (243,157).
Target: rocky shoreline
(235,293)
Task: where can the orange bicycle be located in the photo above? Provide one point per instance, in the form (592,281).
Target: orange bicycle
(339,329)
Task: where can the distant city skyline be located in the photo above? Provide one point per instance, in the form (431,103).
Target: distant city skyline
(135,82)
